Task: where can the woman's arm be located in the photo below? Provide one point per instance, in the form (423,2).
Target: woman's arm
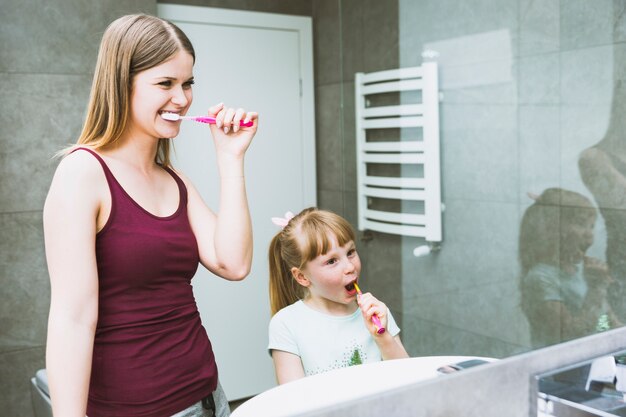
(225,239)
(605,182)
(69,215)
(288,366)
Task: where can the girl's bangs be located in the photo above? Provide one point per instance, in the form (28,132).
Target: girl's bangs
(319,235)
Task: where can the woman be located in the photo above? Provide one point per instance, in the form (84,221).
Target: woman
(124,234)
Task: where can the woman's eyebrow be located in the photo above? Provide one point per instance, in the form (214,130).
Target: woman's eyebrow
(170,78)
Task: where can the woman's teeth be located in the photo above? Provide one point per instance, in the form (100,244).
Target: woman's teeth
(170,116)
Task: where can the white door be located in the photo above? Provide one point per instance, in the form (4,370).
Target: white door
(261,62)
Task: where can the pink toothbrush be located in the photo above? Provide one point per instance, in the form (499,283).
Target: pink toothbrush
(379,327)
(201,119)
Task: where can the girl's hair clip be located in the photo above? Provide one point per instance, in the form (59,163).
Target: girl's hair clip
(283,221)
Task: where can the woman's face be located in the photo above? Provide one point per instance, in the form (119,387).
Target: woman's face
(160,89)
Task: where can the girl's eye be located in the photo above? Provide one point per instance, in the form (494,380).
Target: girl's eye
(351,252)
(331,261)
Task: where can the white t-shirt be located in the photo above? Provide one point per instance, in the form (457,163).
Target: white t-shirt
(324,342)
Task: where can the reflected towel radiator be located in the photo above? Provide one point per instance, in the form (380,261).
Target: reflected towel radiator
(419,195)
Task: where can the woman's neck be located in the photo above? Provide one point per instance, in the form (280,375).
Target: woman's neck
(137,152)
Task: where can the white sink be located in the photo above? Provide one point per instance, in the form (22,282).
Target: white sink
(345,384)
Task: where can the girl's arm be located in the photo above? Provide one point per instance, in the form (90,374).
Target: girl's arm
(225,239)
(390,346)
(288,366)
(69,217)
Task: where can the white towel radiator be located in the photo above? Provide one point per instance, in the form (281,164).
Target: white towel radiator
(420,195)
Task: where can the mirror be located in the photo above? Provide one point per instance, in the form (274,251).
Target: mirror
(533,158)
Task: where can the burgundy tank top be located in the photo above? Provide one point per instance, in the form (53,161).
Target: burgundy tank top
(151,356)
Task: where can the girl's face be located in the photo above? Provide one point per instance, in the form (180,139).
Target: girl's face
(330,278)
(160,89)
(578,237)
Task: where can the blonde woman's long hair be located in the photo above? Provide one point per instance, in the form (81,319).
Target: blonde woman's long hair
(306,236)
(130,44)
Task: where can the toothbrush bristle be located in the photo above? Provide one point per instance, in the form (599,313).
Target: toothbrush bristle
(170,116)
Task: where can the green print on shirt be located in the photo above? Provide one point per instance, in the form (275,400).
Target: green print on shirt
(355,359)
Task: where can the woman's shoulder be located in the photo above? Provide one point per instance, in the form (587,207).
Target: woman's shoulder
(79,161)
(593,158)
(184,178)
(78,172)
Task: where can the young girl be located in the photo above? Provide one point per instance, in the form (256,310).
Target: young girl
(319,322)
(124,234)
(563,291)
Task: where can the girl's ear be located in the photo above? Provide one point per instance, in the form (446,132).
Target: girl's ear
(298,275)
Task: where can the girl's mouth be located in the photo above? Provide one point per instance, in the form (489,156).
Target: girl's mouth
(350,286)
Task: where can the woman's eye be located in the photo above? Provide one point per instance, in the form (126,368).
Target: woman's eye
(188,85)
(165,83)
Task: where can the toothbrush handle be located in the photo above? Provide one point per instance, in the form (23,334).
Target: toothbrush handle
(379,327)
(211,120)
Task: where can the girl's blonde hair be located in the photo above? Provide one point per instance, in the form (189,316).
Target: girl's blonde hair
(130,44)
(309,234)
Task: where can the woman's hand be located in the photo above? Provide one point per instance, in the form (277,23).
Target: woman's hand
(231,138)
(369,306)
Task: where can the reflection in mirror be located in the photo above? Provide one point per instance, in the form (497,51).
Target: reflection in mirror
(591,388)
(563,291)
(603,169)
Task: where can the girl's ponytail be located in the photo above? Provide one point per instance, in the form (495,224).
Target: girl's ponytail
(284,290)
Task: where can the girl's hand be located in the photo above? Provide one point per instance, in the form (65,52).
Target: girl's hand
(369,306)
(597,273)
(229,136)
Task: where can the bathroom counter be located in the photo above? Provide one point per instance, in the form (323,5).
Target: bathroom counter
(346,384)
